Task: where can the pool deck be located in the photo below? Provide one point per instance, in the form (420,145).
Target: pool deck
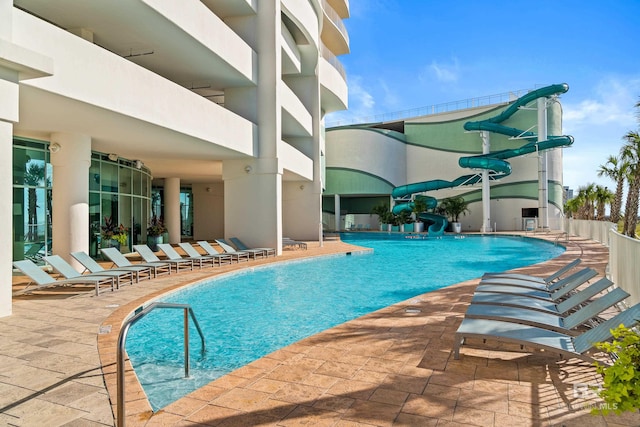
(393,367)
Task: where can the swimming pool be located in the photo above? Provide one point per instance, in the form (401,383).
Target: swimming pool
(256,311)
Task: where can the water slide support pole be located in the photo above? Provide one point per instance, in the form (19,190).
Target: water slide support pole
(336,201)
(543,182)
(486,189)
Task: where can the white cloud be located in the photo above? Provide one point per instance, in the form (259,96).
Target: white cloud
(445,73)
(598,123)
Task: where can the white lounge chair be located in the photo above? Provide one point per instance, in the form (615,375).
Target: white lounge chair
(193,253)
(237,255)
(114,255)
(148,256)
(68,272)
(44,280)
(140,272)
(545,339)
(242,247)
(172,254)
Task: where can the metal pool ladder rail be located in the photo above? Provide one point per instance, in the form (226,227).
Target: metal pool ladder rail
(122,337)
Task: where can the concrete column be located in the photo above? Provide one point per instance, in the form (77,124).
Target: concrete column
(337,210)
(6,213)
(486,187)
(70,158)
(543,181)
(172,209)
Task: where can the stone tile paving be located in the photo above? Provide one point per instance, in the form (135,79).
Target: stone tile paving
(393,367)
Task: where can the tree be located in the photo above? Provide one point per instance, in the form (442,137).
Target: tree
(617,170)
(602,197)
(587,196)
(630,152)
(453,207)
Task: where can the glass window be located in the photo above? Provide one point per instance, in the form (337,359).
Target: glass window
(109,176)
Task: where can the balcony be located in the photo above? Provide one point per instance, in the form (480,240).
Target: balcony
(334,33)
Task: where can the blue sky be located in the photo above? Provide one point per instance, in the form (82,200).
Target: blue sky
(408,54)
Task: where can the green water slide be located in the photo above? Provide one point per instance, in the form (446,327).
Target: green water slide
(494,162)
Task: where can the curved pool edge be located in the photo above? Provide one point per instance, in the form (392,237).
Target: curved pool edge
(136,399)
(137,405)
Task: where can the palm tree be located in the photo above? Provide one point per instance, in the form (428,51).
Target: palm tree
(587,196)
(617,170)
(630,152)
(572,207)
(603,197)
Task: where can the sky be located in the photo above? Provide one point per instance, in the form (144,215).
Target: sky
(408,54)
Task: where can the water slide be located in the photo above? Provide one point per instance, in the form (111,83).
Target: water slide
(494,162)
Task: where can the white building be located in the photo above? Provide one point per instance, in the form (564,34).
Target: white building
(218,105)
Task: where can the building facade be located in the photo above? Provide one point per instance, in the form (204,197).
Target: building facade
(220,100)
(368,163)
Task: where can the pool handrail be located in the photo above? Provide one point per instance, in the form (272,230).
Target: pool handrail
(122,337)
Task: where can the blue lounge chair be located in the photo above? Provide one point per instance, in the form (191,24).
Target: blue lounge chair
(586,314)
(68,272)
(193,253)
(148,256)
(543,280)
(554,342)
(566,305)
(139,272)
(242,247)
(548,287)
(569,285)
(114,255)
(44,280)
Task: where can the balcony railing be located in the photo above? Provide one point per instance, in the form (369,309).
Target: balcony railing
(333,60)
(335,18)
(432,109)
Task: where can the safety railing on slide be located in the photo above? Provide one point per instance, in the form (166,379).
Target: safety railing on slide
(122,337)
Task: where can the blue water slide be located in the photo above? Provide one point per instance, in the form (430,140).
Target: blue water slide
(439,223)
(495,161)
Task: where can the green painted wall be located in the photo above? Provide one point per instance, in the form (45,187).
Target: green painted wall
(348,181)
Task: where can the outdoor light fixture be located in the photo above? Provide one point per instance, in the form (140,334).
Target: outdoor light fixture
(139,164)
(248,169)
(113,157)
(55,147)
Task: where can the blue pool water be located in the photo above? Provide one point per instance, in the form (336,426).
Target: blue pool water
(249,314)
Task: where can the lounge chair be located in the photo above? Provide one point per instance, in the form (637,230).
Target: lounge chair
(575,281)
(68,272)
(229,249)
(34,252)
(193,253)
(549,287)
(519,301)
(212,251)
(242,247)
(545,339)
(543,280)
(44,280)
(172,254)
(139,272)
(588,313)
(290,243)
(114,255)
(148,256)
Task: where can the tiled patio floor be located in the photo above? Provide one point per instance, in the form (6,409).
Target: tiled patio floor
(393,367)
